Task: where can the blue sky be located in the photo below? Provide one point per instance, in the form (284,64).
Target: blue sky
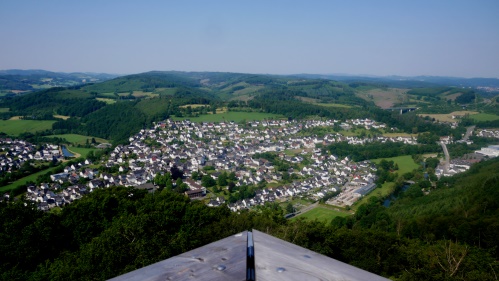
(408,38)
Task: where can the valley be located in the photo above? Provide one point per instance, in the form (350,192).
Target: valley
(309,160)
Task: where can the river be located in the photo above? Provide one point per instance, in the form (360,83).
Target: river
(394,195)
(66,152)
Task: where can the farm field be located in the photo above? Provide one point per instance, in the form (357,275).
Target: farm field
(384,98)
(63,117)
(231,116)
(448,117)
(194,105)
(322,214)
(485,117)
(78,139)
(339,105)
(140,94)
(317,102)
(17,127)
(106,100)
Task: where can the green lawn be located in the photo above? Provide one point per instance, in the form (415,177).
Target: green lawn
(4,109)
(405,163)
(78,139)
(231,116)
(484,117)
(322,214)
(24,180)
(17,127)
(81,150)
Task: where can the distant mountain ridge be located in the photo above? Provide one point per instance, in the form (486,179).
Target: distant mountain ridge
(30,72)
(14,81)
(414,81)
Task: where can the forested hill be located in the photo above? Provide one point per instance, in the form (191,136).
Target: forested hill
(120,107)
(449,234)
(15,80)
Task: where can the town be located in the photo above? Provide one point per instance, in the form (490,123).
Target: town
(215,149)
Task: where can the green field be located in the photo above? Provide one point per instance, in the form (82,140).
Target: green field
(334,105)
(4,109)
(484,117)
(107,100)
(405,163)
(231,116)
(17,127)
(81,150)
(321,213)
(78,139)
(24,180)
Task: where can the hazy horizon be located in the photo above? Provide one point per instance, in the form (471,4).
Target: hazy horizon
(358,38)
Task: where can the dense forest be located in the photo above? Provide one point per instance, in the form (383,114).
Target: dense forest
(449,234)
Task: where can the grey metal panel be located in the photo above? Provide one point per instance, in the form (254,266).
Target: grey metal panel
(224,259)
(276,259)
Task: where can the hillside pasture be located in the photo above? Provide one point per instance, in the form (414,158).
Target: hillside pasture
(247,90)
(193,105)
(165,91)
(448,117)
(451,97)
(63,117)
(485,117)
(106,100)
(142,94)
(16,127)
(384,98)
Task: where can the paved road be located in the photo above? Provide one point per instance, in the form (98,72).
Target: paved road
(469,130)
(447,158)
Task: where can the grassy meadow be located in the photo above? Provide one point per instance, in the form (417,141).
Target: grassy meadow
(17,127)
(81,151)
(78,139)
(322,213)
(448,117)
(485,117)
(107,100)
